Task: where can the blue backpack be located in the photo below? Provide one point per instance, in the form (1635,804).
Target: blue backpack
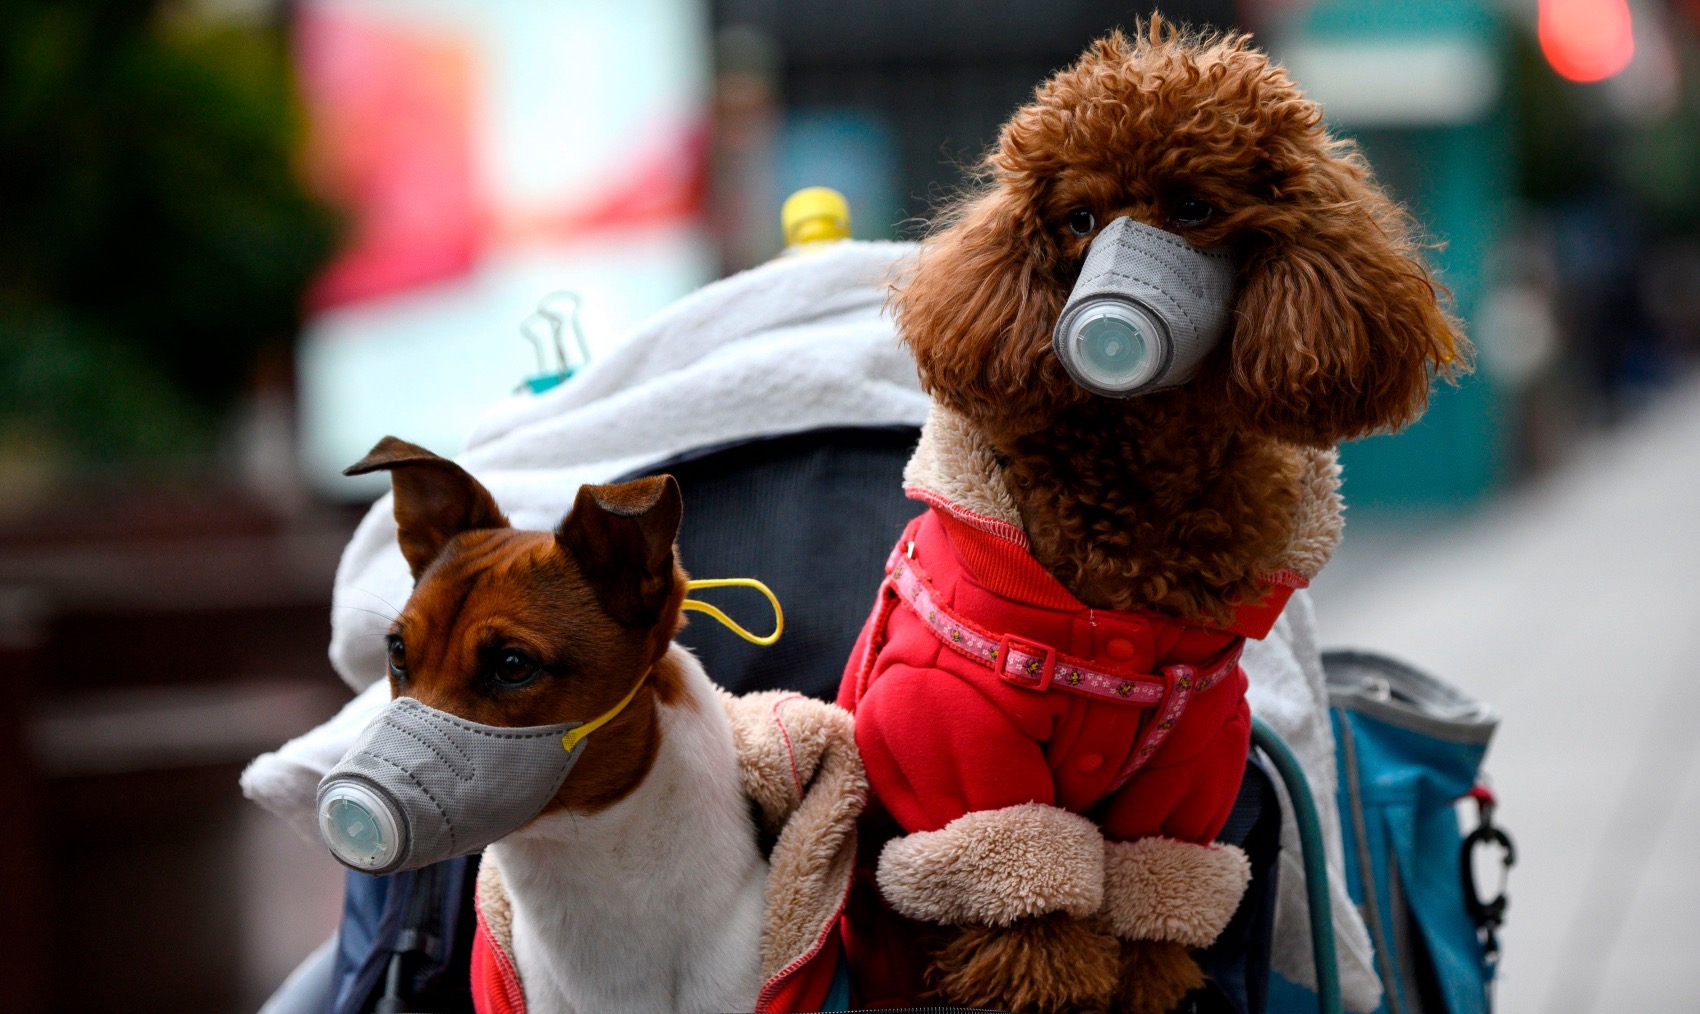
(1409,748)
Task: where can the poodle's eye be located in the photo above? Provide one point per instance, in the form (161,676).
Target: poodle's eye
(1193,211)
(1080,222)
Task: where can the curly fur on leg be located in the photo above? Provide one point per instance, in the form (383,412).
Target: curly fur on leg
(1155,975)
(1050,964)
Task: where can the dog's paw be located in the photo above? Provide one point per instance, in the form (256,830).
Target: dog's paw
(1155,975)
(1050,964)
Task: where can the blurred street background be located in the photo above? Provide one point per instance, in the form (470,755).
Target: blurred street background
(240,240)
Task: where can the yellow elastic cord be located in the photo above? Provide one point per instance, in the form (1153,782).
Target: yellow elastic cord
(693,606)
(572,737)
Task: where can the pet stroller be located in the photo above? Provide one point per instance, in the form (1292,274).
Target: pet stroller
(786,409)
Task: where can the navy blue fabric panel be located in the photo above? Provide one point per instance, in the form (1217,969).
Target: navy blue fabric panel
(437,938)
(425,915)
(362,939)
(1238,962)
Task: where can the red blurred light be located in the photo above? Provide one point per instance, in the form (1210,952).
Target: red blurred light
(1586,40)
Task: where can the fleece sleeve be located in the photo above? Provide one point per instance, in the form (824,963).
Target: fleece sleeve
(936,748)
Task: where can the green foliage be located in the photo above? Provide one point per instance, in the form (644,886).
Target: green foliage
(154,233)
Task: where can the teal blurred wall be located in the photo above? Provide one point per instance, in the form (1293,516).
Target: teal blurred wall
(1453,165)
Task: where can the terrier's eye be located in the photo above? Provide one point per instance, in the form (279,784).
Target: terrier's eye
(512,668)
(397,658)
(1080,222)
(1193,211)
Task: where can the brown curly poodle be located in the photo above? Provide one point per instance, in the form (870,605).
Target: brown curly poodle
(1175,500)
(1178,500)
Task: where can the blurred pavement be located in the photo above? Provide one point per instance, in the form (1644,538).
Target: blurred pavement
(1571,605)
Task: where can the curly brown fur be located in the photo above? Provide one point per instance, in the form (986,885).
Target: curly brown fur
(1155,975)
(1177,500)
(1159,502)
(1052,964)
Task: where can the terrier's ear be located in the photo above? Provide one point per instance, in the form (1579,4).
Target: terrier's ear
(435,499)
(622,539)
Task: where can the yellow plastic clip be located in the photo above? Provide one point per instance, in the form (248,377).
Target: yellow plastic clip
(695,606)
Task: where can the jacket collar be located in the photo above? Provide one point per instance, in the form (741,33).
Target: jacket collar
(955,472)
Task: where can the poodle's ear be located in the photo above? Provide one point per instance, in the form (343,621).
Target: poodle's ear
(1339,325)
(978,308)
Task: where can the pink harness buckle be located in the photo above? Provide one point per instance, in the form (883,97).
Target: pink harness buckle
(1034,666)
(1025,663)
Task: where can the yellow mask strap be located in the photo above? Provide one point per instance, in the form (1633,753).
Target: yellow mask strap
(573,736)
(694,606)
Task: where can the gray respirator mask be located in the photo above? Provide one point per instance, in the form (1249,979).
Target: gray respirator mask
(1148,307)
(421,785)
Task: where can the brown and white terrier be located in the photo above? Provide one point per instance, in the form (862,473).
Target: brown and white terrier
(640,885)
(1180,502)
(697,856)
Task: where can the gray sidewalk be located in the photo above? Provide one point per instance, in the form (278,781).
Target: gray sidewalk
(1573,606)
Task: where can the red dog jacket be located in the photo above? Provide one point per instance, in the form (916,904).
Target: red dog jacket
(979,682)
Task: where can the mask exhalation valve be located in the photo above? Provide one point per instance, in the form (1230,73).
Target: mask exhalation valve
(1117,347)
(1146,310)
(359,826)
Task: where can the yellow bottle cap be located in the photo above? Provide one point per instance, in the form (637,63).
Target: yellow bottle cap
(815,215)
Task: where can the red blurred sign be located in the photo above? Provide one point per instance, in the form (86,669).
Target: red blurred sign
(487,154)
(391,109)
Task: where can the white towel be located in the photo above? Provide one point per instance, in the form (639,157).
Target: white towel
(796,344)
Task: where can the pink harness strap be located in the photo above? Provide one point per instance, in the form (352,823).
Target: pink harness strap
(1040,667)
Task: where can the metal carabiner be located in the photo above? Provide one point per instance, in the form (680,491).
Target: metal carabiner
(1487,915)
